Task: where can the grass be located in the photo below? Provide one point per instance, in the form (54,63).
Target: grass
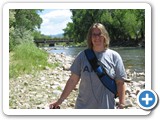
(27,59)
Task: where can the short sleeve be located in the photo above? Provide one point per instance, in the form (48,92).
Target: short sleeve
(119,68)
(76,66)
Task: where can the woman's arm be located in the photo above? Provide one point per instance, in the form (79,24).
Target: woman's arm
(70,85)
(121,93)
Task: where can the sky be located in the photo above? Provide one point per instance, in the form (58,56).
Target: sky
(54,21)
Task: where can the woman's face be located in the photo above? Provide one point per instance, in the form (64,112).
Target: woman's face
(97,38)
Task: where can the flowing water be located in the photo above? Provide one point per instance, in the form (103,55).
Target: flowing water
(133,57)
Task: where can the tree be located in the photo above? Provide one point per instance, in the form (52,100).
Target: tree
(28,18)
(124,25)
(82,20)
(11,29)
(22,24)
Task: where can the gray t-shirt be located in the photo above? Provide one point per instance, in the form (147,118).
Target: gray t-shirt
(92,93)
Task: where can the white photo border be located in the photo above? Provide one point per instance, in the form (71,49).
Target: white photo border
(103,5)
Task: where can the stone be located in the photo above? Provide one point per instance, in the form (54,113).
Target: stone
(128,103)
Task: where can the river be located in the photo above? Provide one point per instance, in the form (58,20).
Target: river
(133,57)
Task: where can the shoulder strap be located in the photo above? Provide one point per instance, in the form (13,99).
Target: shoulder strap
(108,82)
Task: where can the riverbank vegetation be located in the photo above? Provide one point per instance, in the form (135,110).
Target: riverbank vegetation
(26,59)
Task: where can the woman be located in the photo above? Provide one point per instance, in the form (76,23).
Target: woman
(92,93)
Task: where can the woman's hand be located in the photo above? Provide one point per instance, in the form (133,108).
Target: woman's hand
(54,105)
(121,106)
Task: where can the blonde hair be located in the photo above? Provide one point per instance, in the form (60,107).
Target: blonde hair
(104,33)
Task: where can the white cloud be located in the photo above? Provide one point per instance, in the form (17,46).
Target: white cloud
(55,21)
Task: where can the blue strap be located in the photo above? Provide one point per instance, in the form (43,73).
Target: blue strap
(108,82)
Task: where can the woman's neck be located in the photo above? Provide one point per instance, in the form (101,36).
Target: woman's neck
(98,49)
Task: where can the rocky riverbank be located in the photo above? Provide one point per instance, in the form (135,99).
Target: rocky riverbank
(39,90)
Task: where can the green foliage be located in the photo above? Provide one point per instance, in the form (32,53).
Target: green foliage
(82,20)
(28,18)
(122,24)
(11,18)
(27,58)
(37,34)
(19,36)
(68,31)
(22,24)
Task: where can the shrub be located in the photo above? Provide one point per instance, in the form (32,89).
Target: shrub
(27,58)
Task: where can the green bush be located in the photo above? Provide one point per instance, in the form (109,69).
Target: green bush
(19,36)
(27,58)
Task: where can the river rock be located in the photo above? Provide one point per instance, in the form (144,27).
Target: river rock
(66,66)
(128,103)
